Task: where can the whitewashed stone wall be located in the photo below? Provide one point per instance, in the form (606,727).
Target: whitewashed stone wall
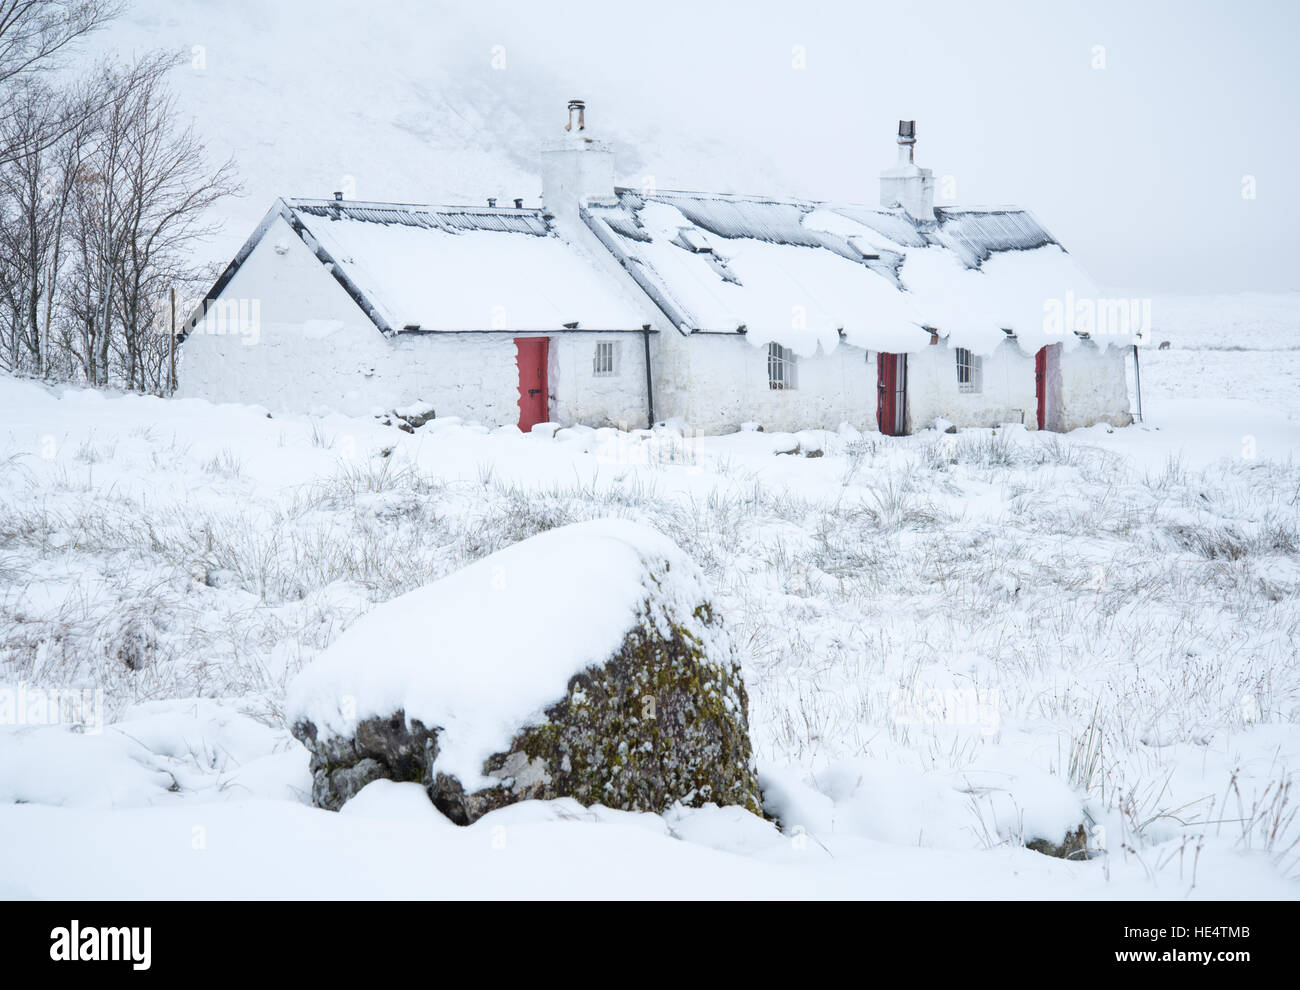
(1094,386)
(580,396)
(716,382)
(1006,389)
(304,346)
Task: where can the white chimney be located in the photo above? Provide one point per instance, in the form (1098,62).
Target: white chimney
(576,168)
(905,185)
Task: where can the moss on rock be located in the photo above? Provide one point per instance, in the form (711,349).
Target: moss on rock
(660,722)
(1073,846)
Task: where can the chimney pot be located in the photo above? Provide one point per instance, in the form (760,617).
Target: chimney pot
(906,141)
(338,196)
(519,204)
(492,202)
(577,116)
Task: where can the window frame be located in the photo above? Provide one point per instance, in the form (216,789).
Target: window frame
(605,359)
(970,371)
(781,368)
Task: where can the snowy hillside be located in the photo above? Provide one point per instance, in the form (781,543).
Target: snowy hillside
(951,644)
(446,101)
(445,109)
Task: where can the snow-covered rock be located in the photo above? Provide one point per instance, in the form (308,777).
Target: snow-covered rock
(416,413)
(585,662)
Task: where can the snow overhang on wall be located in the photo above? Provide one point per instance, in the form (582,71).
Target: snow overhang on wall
(809,274)
(449,269)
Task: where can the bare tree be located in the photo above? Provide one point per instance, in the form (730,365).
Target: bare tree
(102,193)
(33,198)
(36,117)
(164,200)
(98,227)
(25,241)
(64,172)
(35,37)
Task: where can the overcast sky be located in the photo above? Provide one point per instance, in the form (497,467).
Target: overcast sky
(1130,129)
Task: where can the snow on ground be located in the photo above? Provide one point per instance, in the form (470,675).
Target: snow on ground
(951,643)
(1232,360)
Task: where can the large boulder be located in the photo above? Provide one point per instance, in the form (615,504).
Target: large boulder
(586,662)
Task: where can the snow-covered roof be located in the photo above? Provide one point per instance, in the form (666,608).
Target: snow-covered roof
(805,273)
(802,273)
(453,268)
(447,268)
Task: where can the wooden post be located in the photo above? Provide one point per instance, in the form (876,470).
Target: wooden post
(171,348)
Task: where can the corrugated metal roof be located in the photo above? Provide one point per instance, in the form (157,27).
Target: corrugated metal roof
(976,234)
(450,219)
(625,224)
(973,233)
(772,221)
(762,220)
(934,270)
(897,227)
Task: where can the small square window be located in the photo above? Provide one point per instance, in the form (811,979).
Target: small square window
(970,371)
(780,367)
(605,362)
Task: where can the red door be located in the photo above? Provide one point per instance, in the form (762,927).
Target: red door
(891,393)
(531,358)
(1040,385)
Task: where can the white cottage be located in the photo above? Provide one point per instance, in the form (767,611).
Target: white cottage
(617,306)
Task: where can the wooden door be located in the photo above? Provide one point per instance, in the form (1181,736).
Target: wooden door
(531,355)
(891,393)
(1040,385)
(1047,385)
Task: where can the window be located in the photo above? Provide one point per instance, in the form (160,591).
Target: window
(605,362)
(969,371)
(780,367)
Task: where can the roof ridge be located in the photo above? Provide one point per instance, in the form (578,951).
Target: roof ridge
(369,204)
(833,204)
